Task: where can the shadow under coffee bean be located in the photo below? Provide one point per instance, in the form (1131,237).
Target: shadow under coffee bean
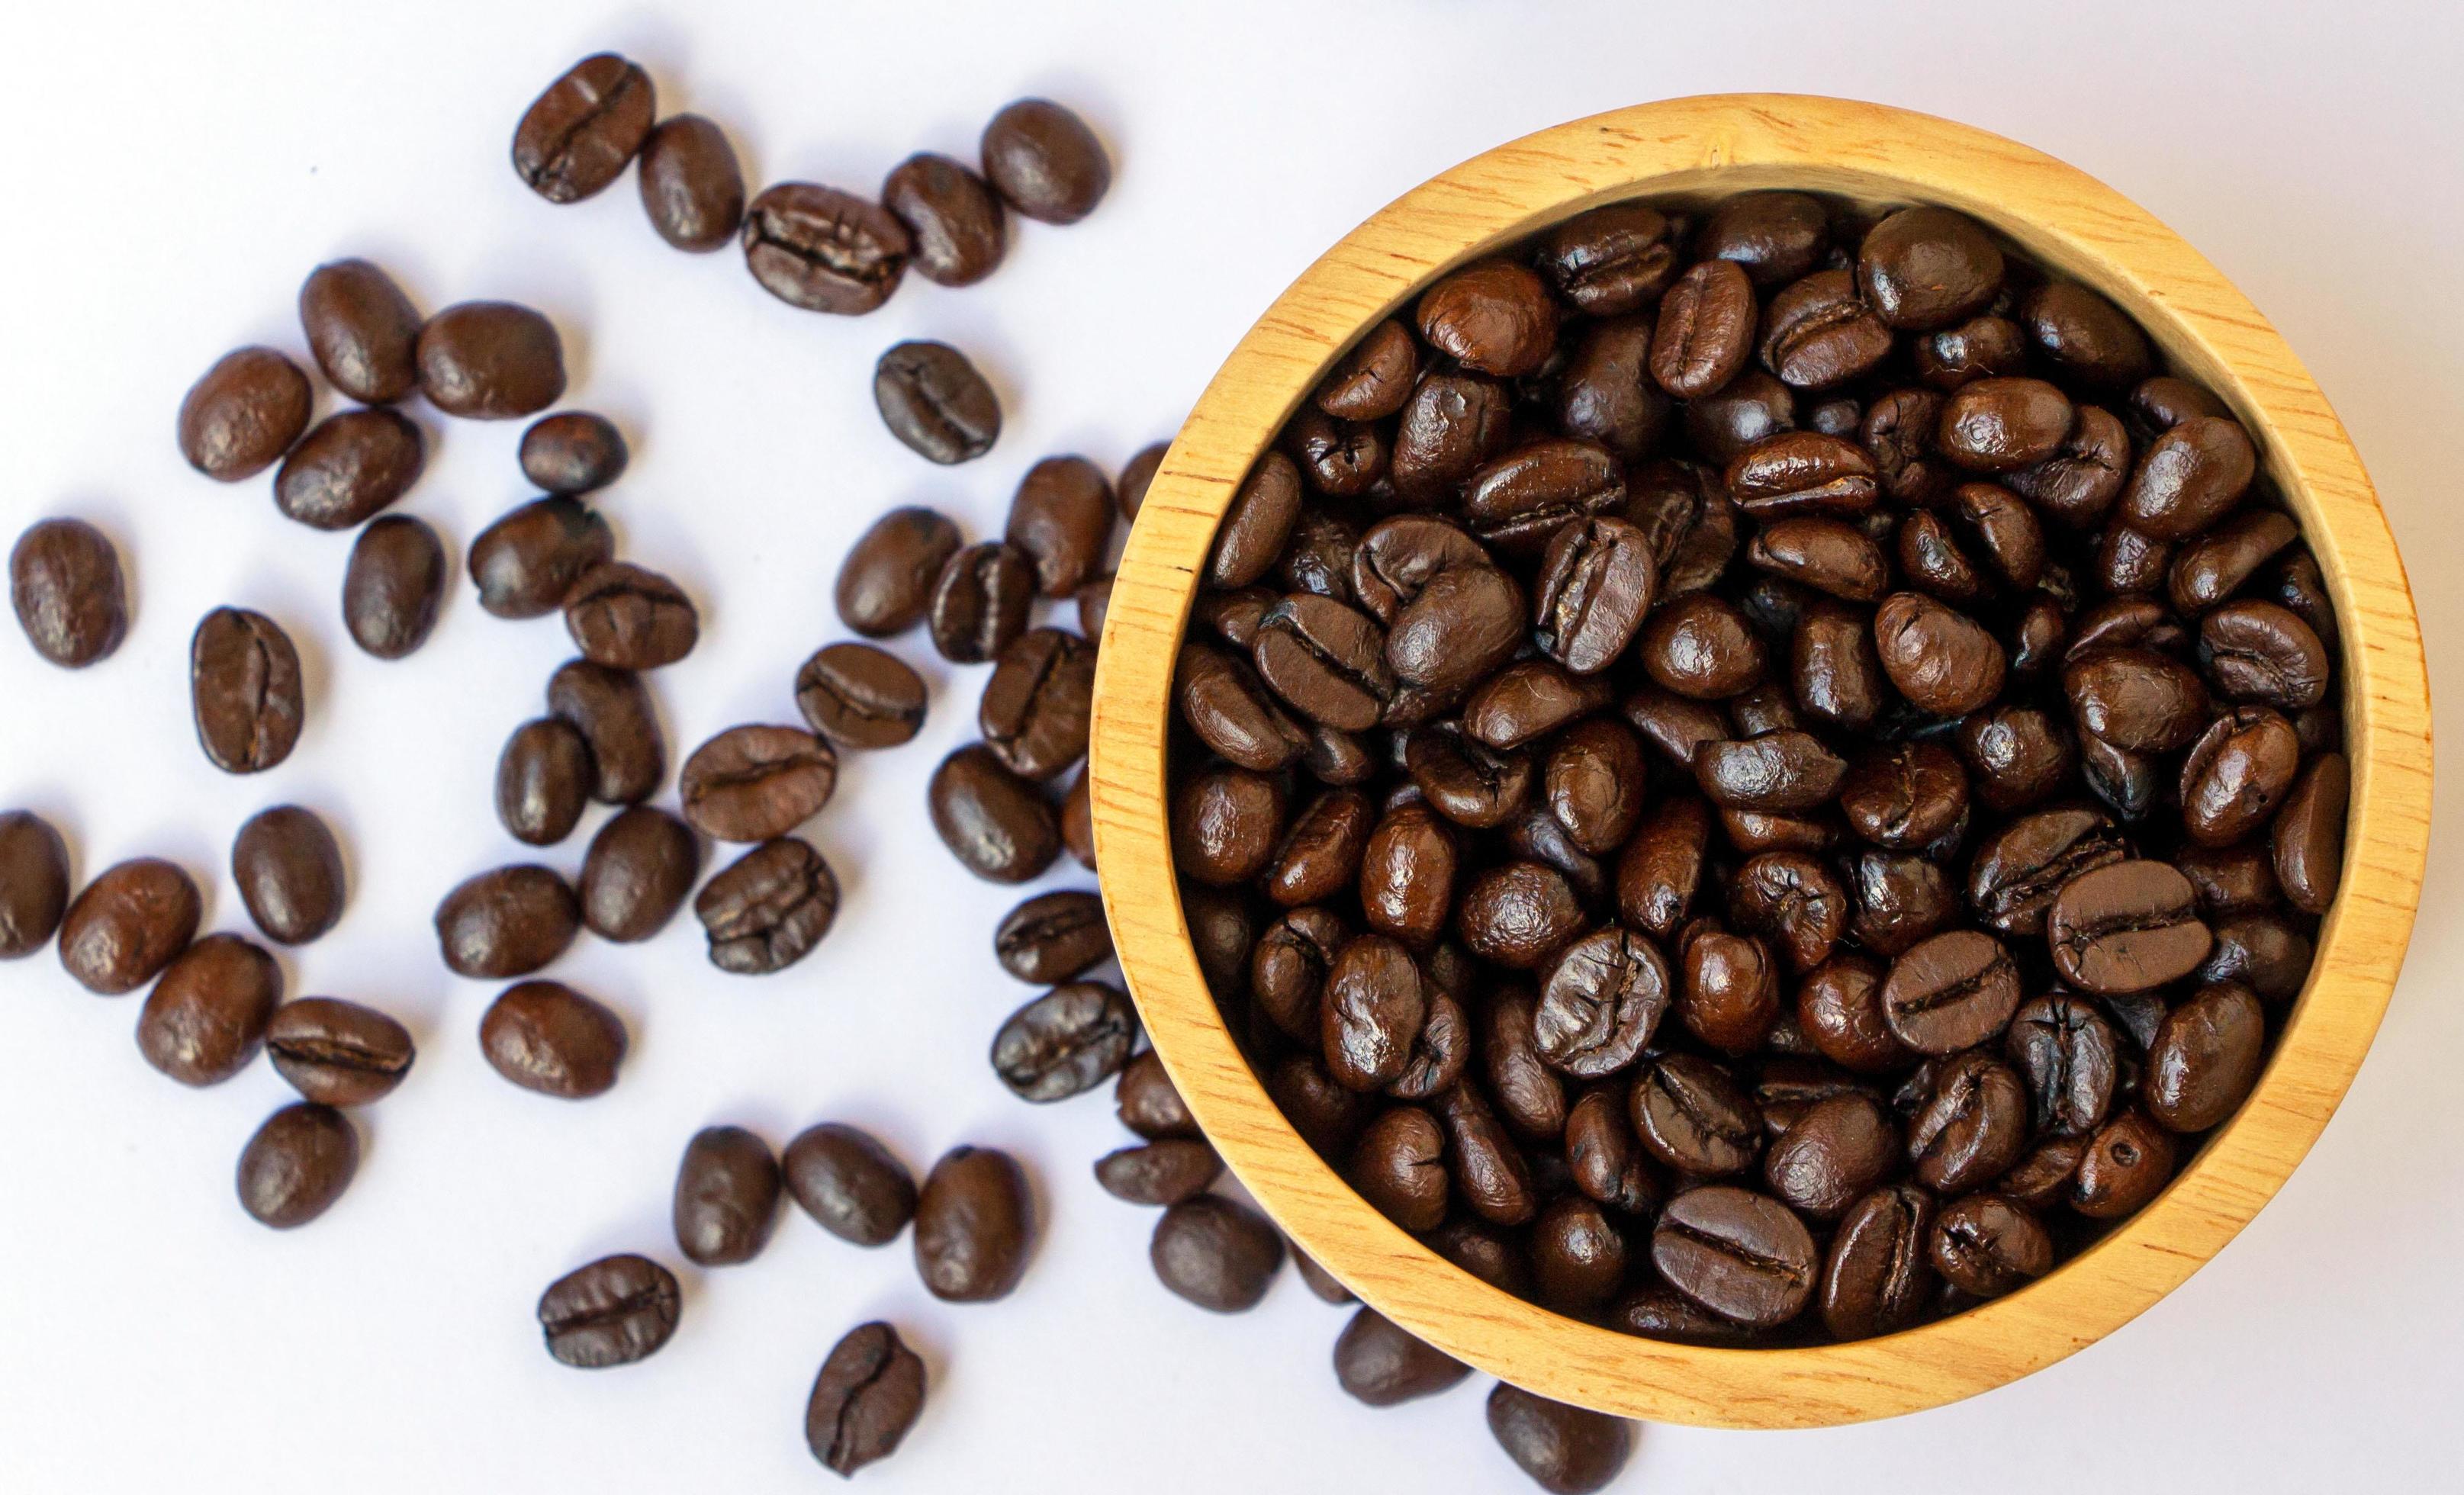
(1752,775)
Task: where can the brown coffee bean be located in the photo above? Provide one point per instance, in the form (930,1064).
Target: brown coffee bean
(65,583)
(337,1053)
(756,783)
(1986,1245)
(2206,1058)
(290,873)
(887,582)
(1382,1366)
(127,925)
(206,1018)
(362,330)
(975,1226)
(869,1392)
(1600,1004)
(1951,992)
(1492,317)
(244,684)
(549,1037)
(959,228)
(393,586)
(1371,381)
(1819,334)
(1067,1041)
(637,872)
(298,1164)
(507,922)
(1161,1172)
(768,908)
(490,361)
(1220,1255)
(1741,1255)
(1928,267)
(2003,424)
(999,826)
(1400,1167)
(1701,647)
(1877,1277)
(2128,926)
(934,401)
(2308,837)
(979,602)
(859,697)
(1727,987)
(693,189)
(1044,162)
(2125,1166)
(614,1311)
(1835,1150)
(2259,651)
(1706,331)
(525,564)
(2189,477)
(1061,519)
(34,882)
(822,250)
(851,1185)
(243,414)
(2067,1056)
(579,136)
(627,617)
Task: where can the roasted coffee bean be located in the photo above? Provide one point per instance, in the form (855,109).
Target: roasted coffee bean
(975,1226)
(1407,876)
(1951,992)
(1926,267)
(626,617)
(1217,1254)
(1375,1003)
(1439,1052)
(1981,347)
(1320,856)
(1936,564)
(2189,477)
(2067,1056)
(1604,1158)
(1578,1257)
(1484,1253)
(1463,624)
(693,189)
(2259,651)
(1383,1366)
(2084,335)
(2017,873)
(1897,432)
(206,1018)
(1830,555)
(2043,1175)
(849,1184)
(978,602)
(354,464)
(1612,261)
(362,330)
(1741,412)
(1662,1312)
(1494,317)
(959,226)
(637,872)
(1223,702)
(1701,647)
(1529,700)
(65,582)
(1222,929)
(726,1197)
(298,1164)
(490,361)
(1035,707)
(890,578)
(546,1036)
(1258,522)
(998,826)
(1326,660)
(2128,926)
(527,563)
(1775,237)
(1138,474)
(1727,987)
(2018,753)
(507,922)
(768,908)
(1094,603)
(1373,379)
(1044,162)
(1705,330)
(1596,584)
(1986,1245)
(1943,661)
(1162,1173)
(1877,1277)
(1606,394)
(614,1311)
(1147,1103)
(1795,902)
(579,136)
(1601,1003)
(1466,781)
(1837,1149)
(869,1392)
(1287,970)
(1530,1094)
(244,684)
(1904,796)
(1797,473)
(243,414)
(934,401)
(289,873)
(2212,567)
(393,586)
(2206,1058)
(337,1053)
(1337,458)
(544,779)
(2308,837)
(2003,424)
(2160,403)
(1053,937)
(1784,771)
(1741,1255)
(822,250)
(859,697)
(756,783)
(2230,880)
(2125,1166)
(1518,915)
(1061,519)
(1227,823)
(1071,1038)
(1819,334)
(2079,483)
(1971,1124)
(1323,1283)
(127,925)
(34,882)
(1839,1011)
(1400,1167)
(2240,769)
(1451,423)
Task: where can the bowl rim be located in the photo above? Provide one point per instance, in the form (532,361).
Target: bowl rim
(2068,221)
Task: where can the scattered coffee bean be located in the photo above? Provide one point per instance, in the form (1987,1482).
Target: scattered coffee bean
(526,564)
(979,604)
(573,453)
(1044,162)
(490,361)
(614,1311)
(1036,706)
(393,586)
(1159,1173)
(1061,519)
(975,1226)
(1384,1366)
(869,1392)
(290,874)
(549,1037)
(859,697)
(34,882)
(206,1018)
(727,1197)
(543,781)
(822,250)
(1053,937)
(337,1053)
(244,683)
(935,403)
(1220,1255)
(579,136)
(849,1184)
(243,414)
(64,580)
(127,925)
(768,908)
(1566,1450)
(756,783)
(298,1164)
(1000,826)
(612,710)
(691,187)
(957,224)
(1070,1040)
(626,617)
(507,922)
(637,872)
(364,331)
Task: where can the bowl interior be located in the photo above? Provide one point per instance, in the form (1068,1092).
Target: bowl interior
(1684,152)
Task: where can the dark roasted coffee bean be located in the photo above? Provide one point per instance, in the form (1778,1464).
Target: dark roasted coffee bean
(1323,1283)
(1839,1010)
(2041,1177)
(1830,555)
(298,1164)
(1906,797)
(1384,1366)
(979,604)
(693,189)
(1053,937)
(1530,1094)
(1035,706)
(1220,1255)
(1727,987)
(2125,1166)
(849,1184)
(2160,403)
(2067,1057)
(2127,927)
(1467,781)
(1783,771)
(1371,381)
(2230,880)
(1319,857)
(1375,1003)
(726,1196)
(507,922)
(1044,162)
(934,401)
(959,228)
(1578,1257)
(364,331)
(1529,700)
(1338,458)
(999,826)
(1706,331)
(2083,335)
(1223,702)
(1775,237)
(244,683)
(579,136)
(1981,347)
(1147,1103)
(2259,651)
(1226,822)
(975,1226)
(1288,971)
(1606,394)
(1744,410)
(1943,661)
(768,908)
(526,564)
(1951,992)
(627,617)
(1837,1149)
(638,870)
(1598,581)
(2308,837)
(1463,624)
(1451,423)
(756,783)
(2189,477)
(1662,1312)
(1439,1052)
(1407,876)
(243,414)
(1258,522)
(337,1053)
(1138,474)
(206,1018)
(1160,1173)
(1517,915)
(1701,647)
(1494,317)
(1400,1167)
(890,578)
(1795,474)
(822,250)
(2017,873)
(127,925)
(289,873)
(544,779)
(34,882)
(2019,756)
(1741,1255)
(1936,562)
(1877,1278)
(393,586)
(859,697)
(1604,1157)
(1926,267)
(2004,425)
(869,1392)
(2079,484)
(1897,432)
(1601,1003)
(1971,1124)
(490,361)
(1819,334)
(614,1311)
(2240,769)
(1326,660)
(1061,519)
(1070,1040)
(2206,1058)
(2213,566)
(1612,261)
(546,1036)
(1795,902)
(64,580)
(1986,1245)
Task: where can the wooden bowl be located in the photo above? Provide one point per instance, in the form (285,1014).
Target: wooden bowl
(1870,154)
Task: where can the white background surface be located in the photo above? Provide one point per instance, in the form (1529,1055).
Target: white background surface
(174,170)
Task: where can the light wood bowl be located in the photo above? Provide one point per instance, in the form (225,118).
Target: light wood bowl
(2069,222)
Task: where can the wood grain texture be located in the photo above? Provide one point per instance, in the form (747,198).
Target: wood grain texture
(1717,146)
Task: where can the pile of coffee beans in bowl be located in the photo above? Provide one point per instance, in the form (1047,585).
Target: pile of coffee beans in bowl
(1756,771)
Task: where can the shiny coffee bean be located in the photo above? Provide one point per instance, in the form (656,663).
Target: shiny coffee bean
(289,875)
(1383,1366)
(353,465)
(627,617)
(1070,1040)
(999,826)
(1400,1167)
(2004,425)
(1061,519)
(2259,651)
(1819,334)
(1904,796)
(975,1226)
(363,331)
(639,868)
(1566,1450)
(1044,162)
(206,1018)
(1741,1255)
(1612,261)
(1943,661)
(693,187)
(1922,268)
(490,361)
(2125,1166)
(2018,872)
(507,922)
(579,136)
(614,1311)
(726,1196)
(2069,1060)
(243,414)
(934,401)
(2240,769)
(2308,836)
(1705,330)
(34,882)
(298,1165)
(1161,1172)
(393,586)
(1600,1004)
(337,1053)
(1693,1118)
(544,779)
(756,783)
(65,583)
(1795,902)
(526,564)
(822,250)
(768,908)
(1701,647)
(1326,660)
(245,687)
(1835,1150)
(1971,1124)
(1597,580)
(1951,992)
(1035,707)
(856,695)
(1578,1257)
(127,924)
(959,228)
(1494,317)
(2127,927)
(851,1185)
(2206,1058)
(888,580)
(549,1037)
(1986,1245)
(2189,477)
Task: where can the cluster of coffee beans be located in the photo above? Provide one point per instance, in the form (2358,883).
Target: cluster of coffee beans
(1750,772)
(819,247)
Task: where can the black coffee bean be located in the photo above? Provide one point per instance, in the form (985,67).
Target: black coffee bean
(956,220)
(549,1037)
(627,617)
(859,697)
(869,1392)
(1053,937)
(639,868)
(244,684)
(975,1226)
(979,604)
(290,873)
(755,784)
(1979,348)
(394,585)
(127,925)
(822,250)
(1578,1258)
(34,882)
(1070,1040)
(507,922)
(934,401)
(851,1185)
(579,136)
(768,908)
(337,1053)
(1044,162)
(1220,1255)
(364,331)
(206,1018)
(1487,1169)
(525,564)
(1000,826)
(1566,1450)
(243,414)
(727,1197)
(298,1164)
(1741,1255)
(1606,393)
(614,1311)
(691,187)
(65,582)
(490,361)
